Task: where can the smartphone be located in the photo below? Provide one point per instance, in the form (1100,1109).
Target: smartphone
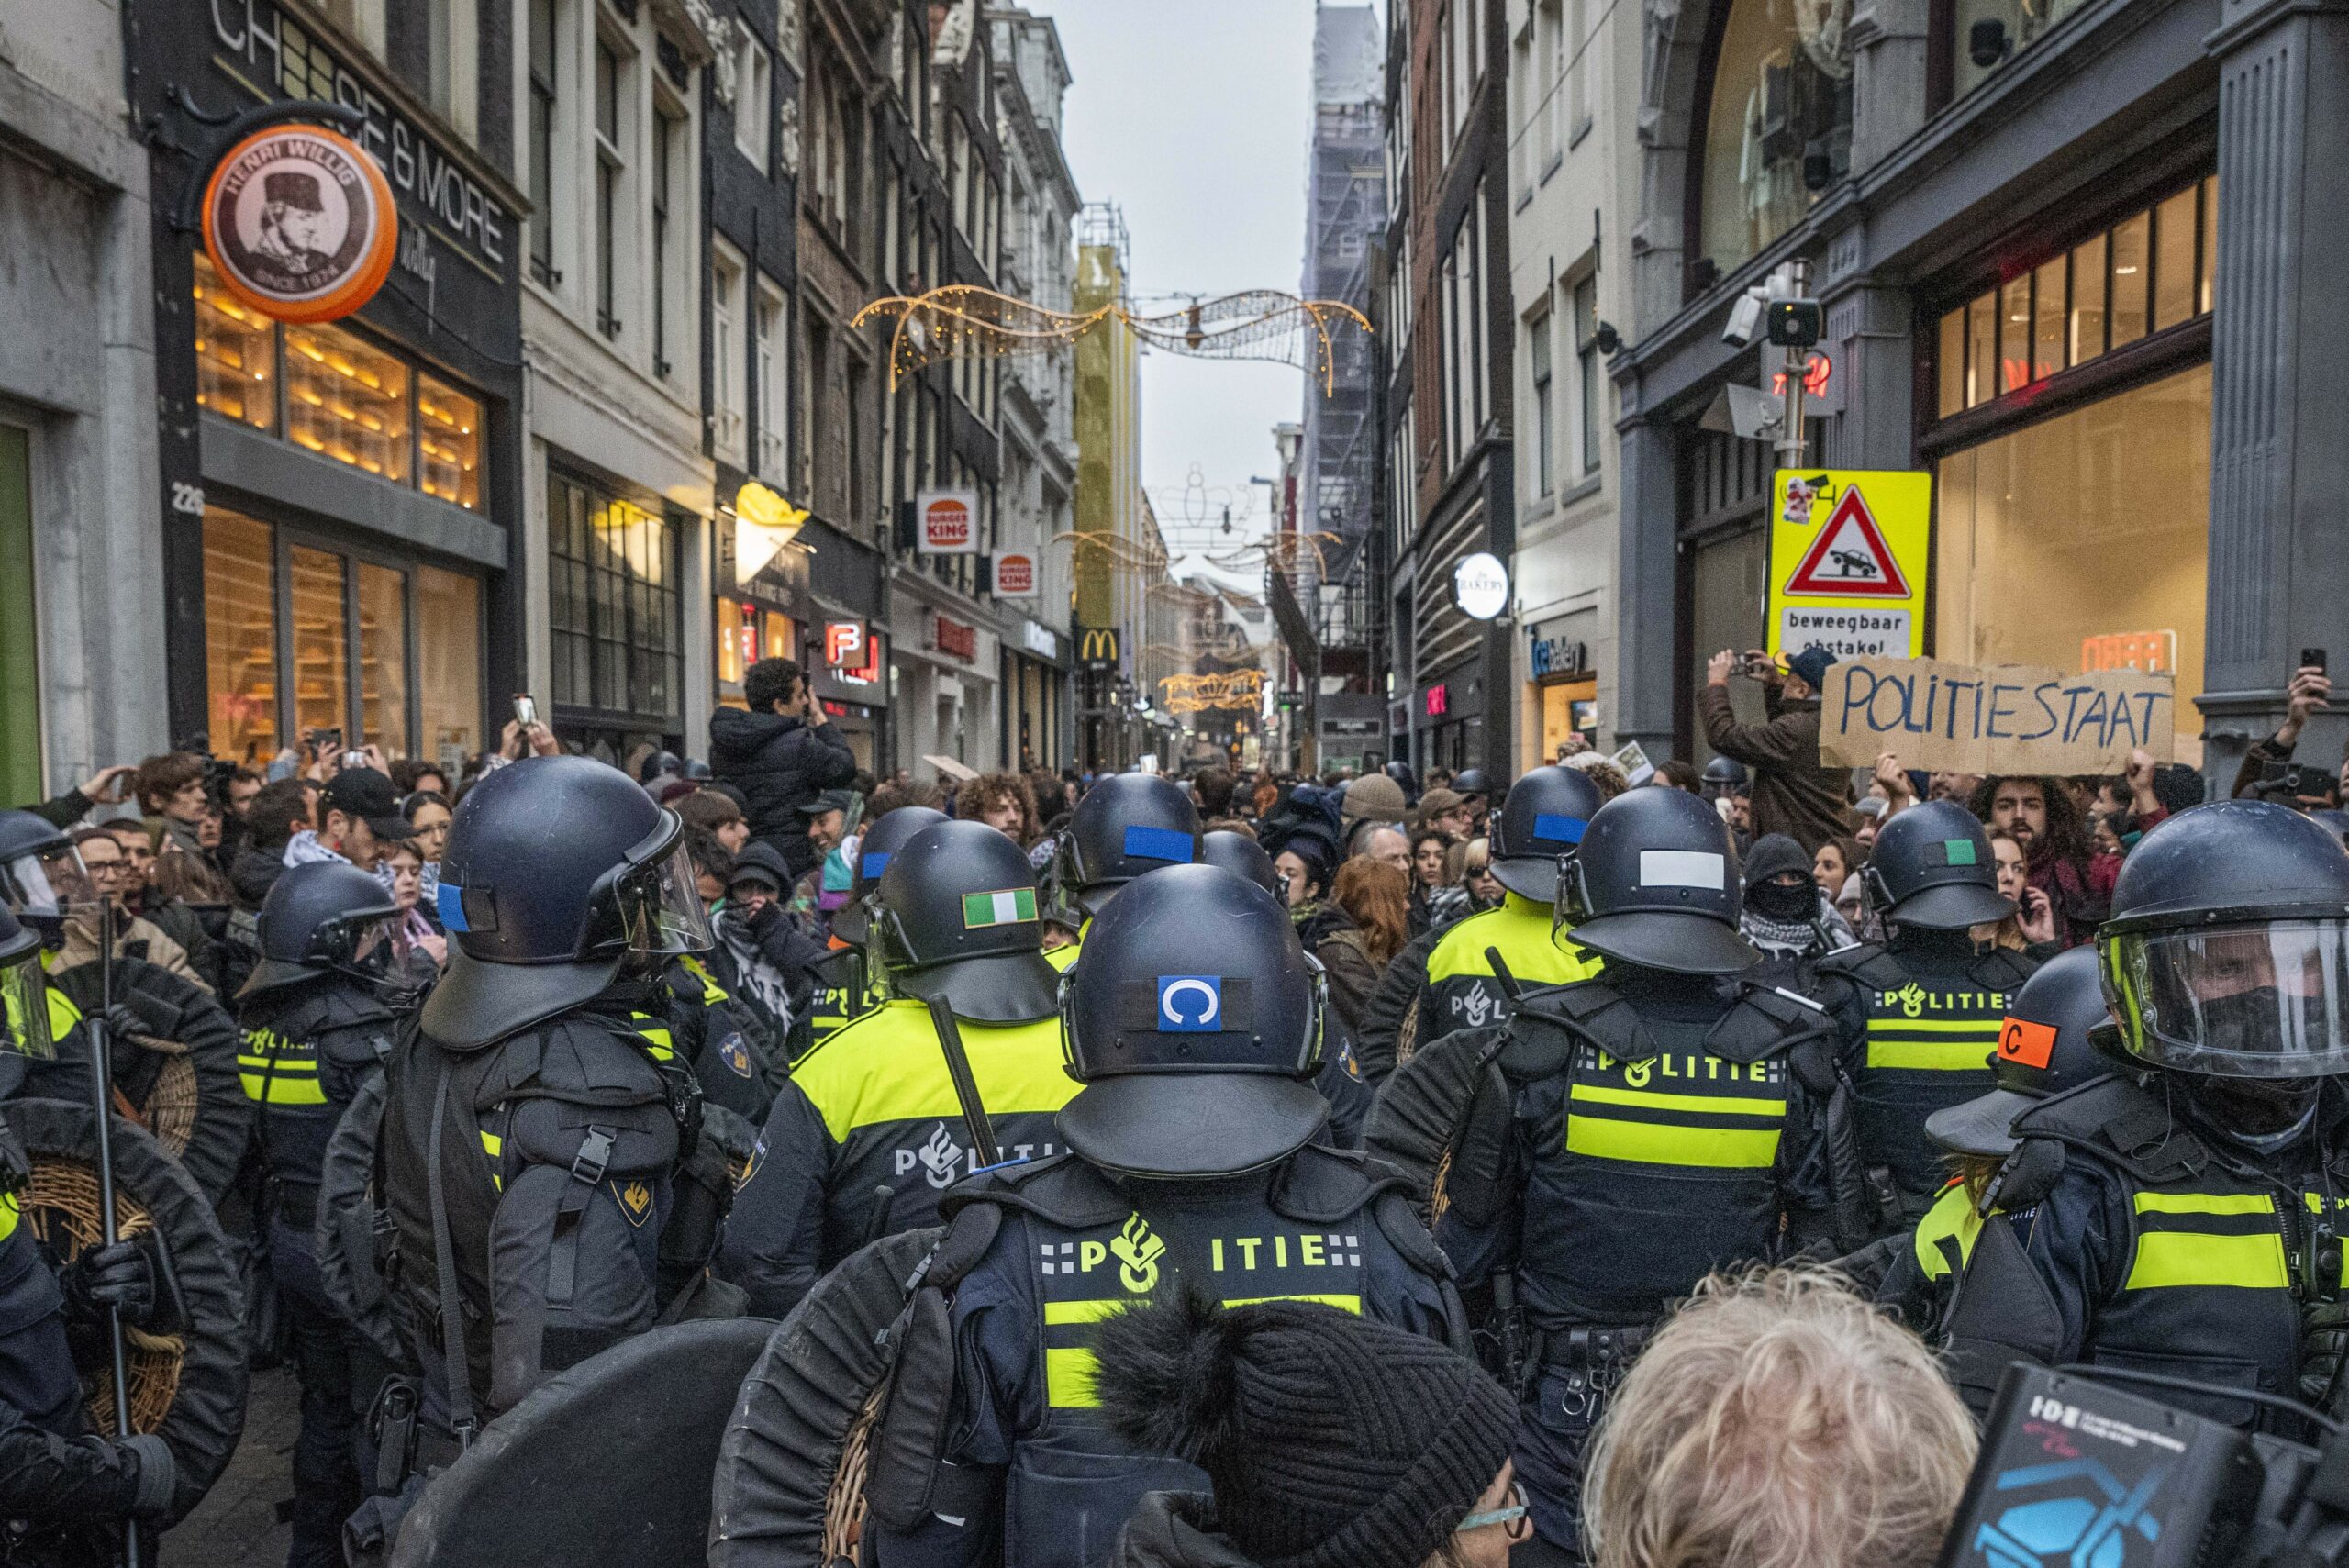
(325,740)
(526,709)
(2311,658)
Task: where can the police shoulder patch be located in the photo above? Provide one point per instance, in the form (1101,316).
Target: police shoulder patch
(635,1199)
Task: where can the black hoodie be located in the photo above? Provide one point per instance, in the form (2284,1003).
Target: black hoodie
(779,763)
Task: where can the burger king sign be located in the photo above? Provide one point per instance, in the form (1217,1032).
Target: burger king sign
(949,522)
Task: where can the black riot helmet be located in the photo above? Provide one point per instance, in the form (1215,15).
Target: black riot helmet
(1723,775)
(1131,824)
(2334,819)
(1539,827)
(656,766)
(1472,781)
(1242,856)
(2043,1049)
(851,922)
(557,870)
(320,918)
(1194,1024)
(2227,953)
(41,879)
(1657,879)
(1931,867)
(957,922)
(1400,772)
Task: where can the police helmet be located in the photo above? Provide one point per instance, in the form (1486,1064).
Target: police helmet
(1242,856)
(1194,1024)
(557,869)
(2227,953)
(24,1003)
(2043,1049)
(1657,876)
(2334,819)
(1400,772)
(958,923)
(1722,776)
(319,918)
(41,878)
(1472,781)
(1128,824)
(656,766)
(851,922)
(1931,867)
(1537,827)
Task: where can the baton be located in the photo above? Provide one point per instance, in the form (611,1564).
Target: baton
(985,1151)
(102,1097)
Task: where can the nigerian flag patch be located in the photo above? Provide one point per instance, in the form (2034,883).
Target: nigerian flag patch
(1006,907)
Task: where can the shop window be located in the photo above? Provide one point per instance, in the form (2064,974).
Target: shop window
(236,354)
(321,678)
(2149,272)
(346,400)
(1537,338)
(448,663)
(240,638)
(2091,524)
(448,444)
(383,657)
(613,608)
(1779,132)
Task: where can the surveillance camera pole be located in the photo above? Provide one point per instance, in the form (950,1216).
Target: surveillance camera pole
(1793,363)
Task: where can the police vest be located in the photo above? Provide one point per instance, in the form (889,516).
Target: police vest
(1932,1026)
(1463,993)
(1655,1131)
(731,1058)
(883,1089)
(300,1052)
(843,994)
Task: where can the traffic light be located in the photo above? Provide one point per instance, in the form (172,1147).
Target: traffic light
(1794,323)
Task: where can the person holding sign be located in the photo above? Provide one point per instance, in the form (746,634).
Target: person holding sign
(1793,792)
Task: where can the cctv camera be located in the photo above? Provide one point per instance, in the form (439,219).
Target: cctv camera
(1986,43)
(1744,320)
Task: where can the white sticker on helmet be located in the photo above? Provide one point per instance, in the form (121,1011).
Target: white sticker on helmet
(1683,868)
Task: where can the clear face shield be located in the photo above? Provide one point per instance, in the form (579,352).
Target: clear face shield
(364,947)
(2268,999)
(659,906)
(48,884)
(24,1001)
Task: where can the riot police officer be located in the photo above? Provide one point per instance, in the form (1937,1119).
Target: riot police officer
(2044,1050)
(1195,1024)
(1445,981)
(65,1488)
(1624,1136)
(2188,1212)
(1920,1014)
(873,1126)
(1129,824)
(315,1020)
(540,1127)
(844,978)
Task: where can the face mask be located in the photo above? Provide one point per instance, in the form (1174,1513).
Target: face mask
(1773,902)
(2262,1115)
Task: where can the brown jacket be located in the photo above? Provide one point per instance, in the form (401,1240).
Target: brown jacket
(1792,793)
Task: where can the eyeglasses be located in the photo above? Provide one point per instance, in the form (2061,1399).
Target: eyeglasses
(1515,1520)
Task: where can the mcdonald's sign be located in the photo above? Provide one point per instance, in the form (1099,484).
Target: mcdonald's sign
(1096,648)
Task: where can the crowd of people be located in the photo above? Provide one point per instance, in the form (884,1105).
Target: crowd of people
(1344,1169)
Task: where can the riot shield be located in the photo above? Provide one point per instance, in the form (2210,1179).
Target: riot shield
(345,1236)
(606,1466)
(789,1492)
(174,1066)
(1419,1121)
(187,1386)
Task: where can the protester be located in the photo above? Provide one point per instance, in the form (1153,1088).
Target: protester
(175,918)
(2309,691)
(1214,788)
(2043,817)
(1377,897)
(1778,1420)
(1469,867)
(1679,773)
(781,751)
(1328,1441)
(1327,932)
(762,957)
(109,870)
(1391,845)
(1834,863)
(1004,803)
(1788,917)
(1428,848)
(419,948)
(412,774)
(715,813)
(172,797)
(1447,812)
(358,814)
(1794,793)
(1369,802)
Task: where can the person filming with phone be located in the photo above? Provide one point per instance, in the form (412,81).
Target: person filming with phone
(781,752)
(2269,768)
(1792,793)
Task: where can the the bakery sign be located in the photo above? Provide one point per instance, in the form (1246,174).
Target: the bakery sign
(300,223)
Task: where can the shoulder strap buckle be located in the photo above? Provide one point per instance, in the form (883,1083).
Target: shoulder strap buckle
(595,1153)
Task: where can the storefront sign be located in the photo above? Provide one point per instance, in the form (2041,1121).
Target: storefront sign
(1558,657)
(845,644)
(1015,575)
(2152,652)
(1439,701)
(1480,585)
(1096,648)
(2000,719)
(949,521)
(956,638)
(1040,640)
(1848,562)
(300,223)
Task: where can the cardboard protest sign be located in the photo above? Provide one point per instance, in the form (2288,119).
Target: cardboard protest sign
(1998,719)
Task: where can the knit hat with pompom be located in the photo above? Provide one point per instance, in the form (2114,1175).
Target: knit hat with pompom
(1332,1441)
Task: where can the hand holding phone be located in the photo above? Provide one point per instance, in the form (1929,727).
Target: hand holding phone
(526,709)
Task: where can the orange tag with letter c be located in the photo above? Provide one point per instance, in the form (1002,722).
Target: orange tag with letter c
(2021,1040)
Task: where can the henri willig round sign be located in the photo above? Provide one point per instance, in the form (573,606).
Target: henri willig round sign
(300,223)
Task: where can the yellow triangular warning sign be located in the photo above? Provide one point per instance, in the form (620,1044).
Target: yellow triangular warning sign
(1849,559)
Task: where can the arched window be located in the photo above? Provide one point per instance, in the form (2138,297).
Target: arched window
(1779,123)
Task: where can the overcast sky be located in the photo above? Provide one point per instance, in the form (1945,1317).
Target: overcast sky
(1193,119)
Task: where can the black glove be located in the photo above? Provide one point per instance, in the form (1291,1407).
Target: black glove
(121,1276)
(762,921)
(157,1478)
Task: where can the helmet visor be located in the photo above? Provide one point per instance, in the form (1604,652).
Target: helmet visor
(24,1001)
(660,909)
(2263,1000)
(48,883)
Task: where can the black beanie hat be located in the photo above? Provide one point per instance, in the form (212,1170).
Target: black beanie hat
(1332,1441)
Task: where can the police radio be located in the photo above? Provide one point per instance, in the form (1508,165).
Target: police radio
(2076,1473)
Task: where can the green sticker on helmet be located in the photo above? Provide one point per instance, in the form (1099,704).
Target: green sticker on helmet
(1959,850)
(1007,907)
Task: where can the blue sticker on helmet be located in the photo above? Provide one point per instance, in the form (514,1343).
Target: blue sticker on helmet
(1559,829)
(872,864)
(451,898)
(1161,844)
(1190,1003)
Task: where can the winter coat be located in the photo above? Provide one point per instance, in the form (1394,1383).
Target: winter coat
(779,763)
(1794,793)
(1330,935)
(1175,1529)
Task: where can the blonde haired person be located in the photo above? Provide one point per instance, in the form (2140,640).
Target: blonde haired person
(1778,1420)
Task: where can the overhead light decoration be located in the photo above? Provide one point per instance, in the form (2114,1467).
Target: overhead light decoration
(763,523)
